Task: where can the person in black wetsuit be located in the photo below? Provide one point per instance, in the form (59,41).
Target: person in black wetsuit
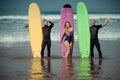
(69,39)
(46,37)
(94,37)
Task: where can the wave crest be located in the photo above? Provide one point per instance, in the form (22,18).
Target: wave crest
(56,16)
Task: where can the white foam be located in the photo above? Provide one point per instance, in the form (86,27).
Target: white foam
(99,16)
(14,17)
(109,36)
(57,16)
(50,16)
(56,37)
(14,38)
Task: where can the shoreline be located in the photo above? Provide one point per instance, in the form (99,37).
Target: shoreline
(23,48)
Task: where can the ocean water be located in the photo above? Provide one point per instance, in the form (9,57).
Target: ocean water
(12,27)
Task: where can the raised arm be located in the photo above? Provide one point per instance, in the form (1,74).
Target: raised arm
(106,22)
(51,24)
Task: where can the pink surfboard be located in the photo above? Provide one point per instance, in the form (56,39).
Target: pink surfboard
(66,15)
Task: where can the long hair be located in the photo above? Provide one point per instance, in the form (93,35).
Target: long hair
(66,28)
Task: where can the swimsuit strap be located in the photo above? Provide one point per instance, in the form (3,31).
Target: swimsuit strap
(71,33)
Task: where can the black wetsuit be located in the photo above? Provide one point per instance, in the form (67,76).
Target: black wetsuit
(94,40)
(47,38)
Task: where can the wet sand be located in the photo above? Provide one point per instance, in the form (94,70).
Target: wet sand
(16,63)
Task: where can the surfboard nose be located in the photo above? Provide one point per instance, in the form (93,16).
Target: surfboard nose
(67,6)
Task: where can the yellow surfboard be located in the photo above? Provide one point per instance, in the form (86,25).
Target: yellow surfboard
(35,29)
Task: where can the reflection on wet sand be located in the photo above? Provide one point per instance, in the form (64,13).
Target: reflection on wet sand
(95,68)
(39,70)
(87,69)
(67,68)
(84,69)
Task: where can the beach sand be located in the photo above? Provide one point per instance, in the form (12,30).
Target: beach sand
(16,63)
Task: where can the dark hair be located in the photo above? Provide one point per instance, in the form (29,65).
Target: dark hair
(68,23)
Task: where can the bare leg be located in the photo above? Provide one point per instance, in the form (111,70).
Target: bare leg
(71,45)
(67,45)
